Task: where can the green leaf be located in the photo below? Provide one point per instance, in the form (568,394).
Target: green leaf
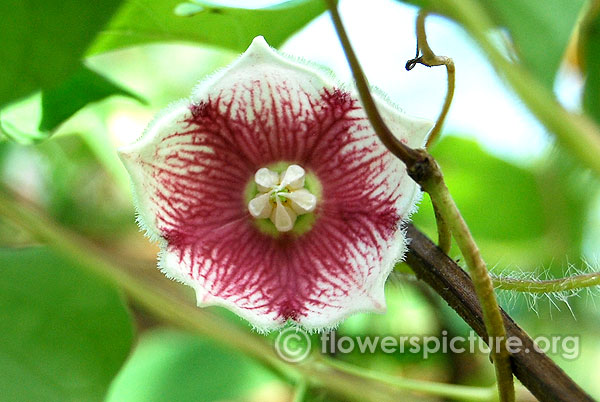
(174,366)
(84,87)
(20,120)
(43,41)
(25,123)
(494,196)
(520,217)
(589,52)
(64,333)
(500,202)
(145,21)
(539,29)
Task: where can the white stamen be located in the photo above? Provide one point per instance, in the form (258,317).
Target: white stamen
(283,217)
(281,198)
(260,207)
(293,177)
(303,201)
(266,179)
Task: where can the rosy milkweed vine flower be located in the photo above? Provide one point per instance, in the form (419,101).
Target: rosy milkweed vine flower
(271,195)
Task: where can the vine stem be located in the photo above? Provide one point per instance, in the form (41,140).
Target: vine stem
(544,379)
(482,282)
(317,370)
(577,132)
(443,229)
(547,286)
(425,171)
(430,59)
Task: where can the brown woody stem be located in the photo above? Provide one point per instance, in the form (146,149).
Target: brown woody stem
(544,379)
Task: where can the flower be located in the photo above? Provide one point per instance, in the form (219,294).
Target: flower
(270,194)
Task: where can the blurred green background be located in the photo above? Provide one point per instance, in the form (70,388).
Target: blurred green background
(79,79)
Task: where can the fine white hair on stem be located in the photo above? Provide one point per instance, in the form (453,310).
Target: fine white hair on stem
(554,297)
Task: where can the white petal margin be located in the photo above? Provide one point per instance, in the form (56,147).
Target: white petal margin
(262,321)
(413,131)
(368,299)
(140,155)
(261,57)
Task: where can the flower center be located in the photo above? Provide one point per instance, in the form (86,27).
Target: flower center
(281,197)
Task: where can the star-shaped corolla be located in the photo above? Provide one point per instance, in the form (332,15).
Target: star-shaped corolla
(271,195)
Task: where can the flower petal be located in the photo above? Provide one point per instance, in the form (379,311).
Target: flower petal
(192,166)
(411,130)
(138,160)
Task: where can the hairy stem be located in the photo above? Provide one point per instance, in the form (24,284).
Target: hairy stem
(547,286)
(317,370)
(425,171)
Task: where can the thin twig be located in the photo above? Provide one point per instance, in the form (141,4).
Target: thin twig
(430,59)
(484,288)
(300,391)
(424,170)
(575,131)
(402,151)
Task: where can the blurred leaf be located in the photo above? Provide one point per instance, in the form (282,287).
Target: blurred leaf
(65,177)
(589,53)
(25,123)
(81,194)
(139,22)
(43,41)
(84,87)
(64,334)
(499,200)
(568,191)
(529,218)
(540,30)
(174,366)
(19,121)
